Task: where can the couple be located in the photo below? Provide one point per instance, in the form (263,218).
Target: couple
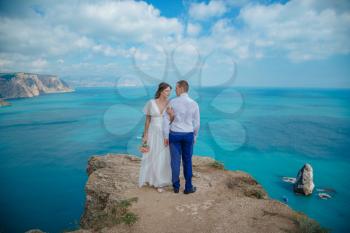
(171,129)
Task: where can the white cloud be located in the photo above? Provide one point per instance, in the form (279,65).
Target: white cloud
(109,51)
(203,11)
(299,30)
(39,63)
(193,29)
(305,30)
(118,21)
(65,28)
(71,37)
(28,41)
(4,62)
(36,37)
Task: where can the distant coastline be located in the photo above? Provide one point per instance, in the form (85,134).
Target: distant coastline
(26,85)
(111,85)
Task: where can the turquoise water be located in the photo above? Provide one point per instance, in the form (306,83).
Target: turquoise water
(45,143)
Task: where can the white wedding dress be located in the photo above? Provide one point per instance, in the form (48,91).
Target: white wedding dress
(155,165)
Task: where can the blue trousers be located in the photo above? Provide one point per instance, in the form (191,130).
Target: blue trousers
(181,146)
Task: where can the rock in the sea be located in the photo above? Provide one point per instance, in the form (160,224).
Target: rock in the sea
(305,180)
(19,85)
(35,231)
(4,103)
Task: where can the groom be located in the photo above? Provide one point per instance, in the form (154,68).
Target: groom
(180,134)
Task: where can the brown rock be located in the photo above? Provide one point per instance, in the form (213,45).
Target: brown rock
(35,231)
(4,103)
(305,180)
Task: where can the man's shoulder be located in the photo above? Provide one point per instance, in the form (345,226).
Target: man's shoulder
(192,101)
(181,99)
(173,100)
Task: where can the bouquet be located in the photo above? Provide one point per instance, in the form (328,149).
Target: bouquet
(144,148)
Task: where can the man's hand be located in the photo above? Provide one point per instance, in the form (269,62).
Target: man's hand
(171,113)
(166,142)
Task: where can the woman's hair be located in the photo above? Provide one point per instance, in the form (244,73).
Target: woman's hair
(161,87)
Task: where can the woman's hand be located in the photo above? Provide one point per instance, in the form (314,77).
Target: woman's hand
(166,142)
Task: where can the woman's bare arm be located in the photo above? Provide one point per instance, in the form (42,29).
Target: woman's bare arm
(145,131)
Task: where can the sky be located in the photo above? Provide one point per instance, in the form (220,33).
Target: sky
(297,43)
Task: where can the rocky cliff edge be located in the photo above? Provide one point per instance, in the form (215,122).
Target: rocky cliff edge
(225,201)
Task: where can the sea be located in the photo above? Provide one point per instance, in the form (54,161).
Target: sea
(270,133)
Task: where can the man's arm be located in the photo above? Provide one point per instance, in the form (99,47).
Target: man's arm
(196,121)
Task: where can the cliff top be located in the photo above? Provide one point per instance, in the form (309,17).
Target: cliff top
(225,201)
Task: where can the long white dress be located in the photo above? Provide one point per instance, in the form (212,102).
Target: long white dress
(155,165)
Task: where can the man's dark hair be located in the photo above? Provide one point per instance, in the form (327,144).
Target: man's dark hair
(183,84)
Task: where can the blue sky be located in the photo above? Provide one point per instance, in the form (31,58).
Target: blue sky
(297,43)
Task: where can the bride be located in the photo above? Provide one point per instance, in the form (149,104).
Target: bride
(155,165)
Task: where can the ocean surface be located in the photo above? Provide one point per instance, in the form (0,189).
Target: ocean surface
(46,141)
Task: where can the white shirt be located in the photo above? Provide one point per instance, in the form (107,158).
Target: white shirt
(186,119)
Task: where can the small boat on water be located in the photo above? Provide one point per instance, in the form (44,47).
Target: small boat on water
(324,196)
(329,190)
(291,180)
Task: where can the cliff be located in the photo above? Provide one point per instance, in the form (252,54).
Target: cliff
(225,201)
(19,85)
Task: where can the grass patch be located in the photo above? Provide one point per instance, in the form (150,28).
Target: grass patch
(255,193)
(129,218)
(114,214)
(241,181)
(307,225)
(127,203)
(217,165)
(247,185)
